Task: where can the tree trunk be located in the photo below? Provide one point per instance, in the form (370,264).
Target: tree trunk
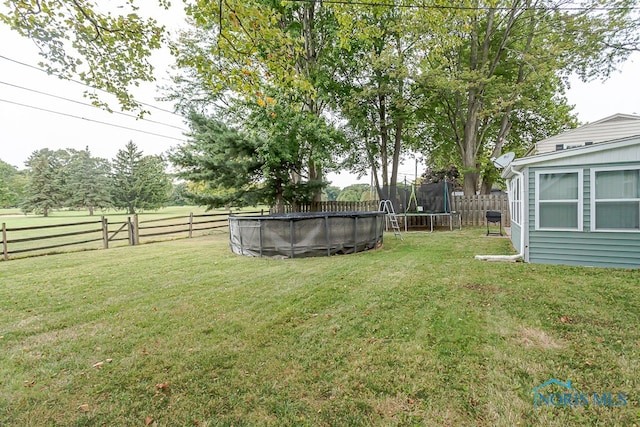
(486,186)
(384,138)
(395,163)
(90,210)
(279,199)
(470,145)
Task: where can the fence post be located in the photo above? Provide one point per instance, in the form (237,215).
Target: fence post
(5,252)
(190,224)
(105,232)
(136,230)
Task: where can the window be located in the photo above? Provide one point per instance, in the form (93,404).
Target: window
(515,200)
(559,200)
(615,201)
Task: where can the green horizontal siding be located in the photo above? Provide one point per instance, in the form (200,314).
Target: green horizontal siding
(585,248)
(597,249)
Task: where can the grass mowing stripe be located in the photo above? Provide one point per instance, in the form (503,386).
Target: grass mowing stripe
(415,333)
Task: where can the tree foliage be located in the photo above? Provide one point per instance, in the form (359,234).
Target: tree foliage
(499,82)
(46,188)
(103,47)
(263,66)
(354,193)
(330,193)
(374,86)
(12,185)
(138,182)
(239,167)
(460,82)
(88,182)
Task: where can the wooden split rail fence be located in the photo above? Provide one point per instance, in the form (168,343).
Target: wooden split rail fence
(103,233)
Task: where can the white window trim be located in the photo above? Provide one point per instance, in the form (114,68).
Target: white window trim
(515,204)
(593,200)
(580,198)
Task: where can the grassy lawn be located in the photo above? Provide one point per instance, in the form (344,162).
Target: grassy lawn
(416,333)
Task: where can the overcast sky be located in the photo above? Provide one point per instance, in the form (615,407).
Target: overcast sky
(25,129)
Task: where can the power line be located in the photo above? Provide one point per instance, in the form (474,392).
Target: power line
(454,7)
(83,84)
(89,105)
(90,120)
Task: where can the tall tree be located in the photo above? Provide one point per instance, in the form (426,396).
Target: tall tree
(499,76)
(374,86)
(263,65)
(138,182)
(46,189)
(88,182)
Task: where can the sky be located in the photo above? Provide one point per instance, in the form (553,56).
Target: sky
(25,126)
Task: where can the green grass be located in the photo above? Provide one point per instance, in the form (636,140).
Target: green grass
(416,333)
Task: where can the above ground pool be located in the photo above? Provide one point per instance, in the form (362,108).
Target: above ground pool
(305,234)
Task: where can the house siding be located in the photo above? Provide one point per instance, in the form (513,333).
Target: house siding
(606,130)
(598,249)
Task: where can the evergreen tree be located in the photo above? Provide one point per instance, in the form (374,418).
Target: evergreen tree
(45,190)
(88,182)
(137,181)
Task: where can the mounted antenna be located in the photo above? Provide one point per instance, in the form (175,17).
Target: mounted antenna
(504,160)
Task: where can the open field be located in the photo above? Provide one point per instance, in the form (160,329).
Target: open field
(15,218)
(416,333)
(65,231)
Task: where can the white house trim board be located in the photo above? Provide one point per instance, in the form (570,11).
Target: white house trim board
(593,200)
(579,200)
(633,154)
(514,190)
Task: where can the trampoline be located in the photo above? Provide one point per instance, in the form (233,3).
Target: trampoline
(306,234)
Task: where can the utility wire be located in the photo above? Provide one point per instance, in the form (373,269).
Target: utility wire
(454,7)
(89,120)
(83,84)
(89,105)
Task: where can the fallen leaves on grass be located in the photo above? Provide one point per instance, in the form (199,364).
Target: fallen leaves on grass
(532,337)
(84,407)
(162,386)
(99,365)
(29,383)
(566,319)
(148,421)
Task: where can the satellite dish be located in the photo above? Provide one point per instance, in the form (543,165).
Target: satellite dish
(504,160)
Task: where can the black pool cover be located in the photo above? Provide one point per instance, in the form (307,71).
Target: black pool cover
(305,234)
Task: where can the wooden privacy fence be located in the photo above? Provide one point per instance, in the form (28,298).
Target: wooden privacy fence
(472,209)
(103,233)
(334,206)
